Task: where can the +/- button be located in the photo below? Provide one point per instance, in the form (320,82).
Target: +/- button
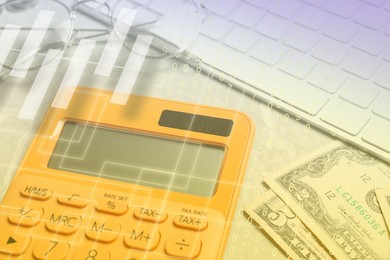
(151,215)
(26,216)
(13,244)
(50,249)
(183,245)
(63,223)
(73,200)
(190,222)
(142,237)
(102,230)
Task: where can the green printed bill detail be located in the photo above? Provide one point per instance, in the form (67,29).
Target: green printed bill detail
(383,197)
(333,193)
(283,226)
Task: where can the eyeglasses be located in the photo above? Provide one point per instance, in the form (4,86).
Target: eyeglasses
(31,28)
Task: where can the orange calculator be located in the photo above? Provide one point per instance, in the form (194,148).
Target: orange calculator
(153,179)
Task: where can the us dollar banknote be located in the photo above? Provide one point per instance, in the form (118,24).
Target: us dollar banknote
(333,193)
(383,197)
(283,226)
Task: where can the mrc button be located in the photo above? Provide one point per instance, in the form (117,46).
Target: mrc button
(63,223)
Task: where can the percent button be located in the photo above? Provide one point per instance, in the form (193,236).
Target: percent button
(113,207)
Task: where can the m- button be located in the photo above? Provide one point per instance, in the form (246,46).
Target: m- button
(102,230)
(151,215)
(190,222)
(183,245)
(63,223)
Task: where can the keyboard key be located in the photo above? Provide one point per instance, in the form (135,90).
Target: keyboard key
(344,116)
(377,133)
(63,223)
(215,27)
(258,3)
(190,222)
(142,237)
(382,76)
(339,29)
(13,243)
(113,207)
(381,105)
(73,200)
(222,7)
(284,8)
(184,245)
(371,42)
(102,230)
(359,92)
(330,51)
(246,15)
(50,250)
(311,18)
(361,64)
(371,17)
(95,251)
(386,54)
(342,8)
(327,78)
(273,26)
(268,51)
(151,215)
(316,3)
(241,39)
(374,2)
(36,192)
(26,216)
(297,64)
(294,38)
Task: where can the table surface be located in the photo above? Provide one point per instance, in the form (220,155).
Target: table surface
(280,138)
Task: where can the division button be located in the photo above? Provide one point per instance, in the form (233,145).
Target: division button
(183,245)
(102,230)
(63,223)
(36,192)
(190,222)
(12,243)
(26,216)
(151,215)
(142,237)
(50,250)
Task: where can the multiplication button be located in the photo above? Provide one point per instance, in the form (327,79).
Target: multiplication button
(190,222)
(142,237)
(151,215)
(183,245)
(26,216)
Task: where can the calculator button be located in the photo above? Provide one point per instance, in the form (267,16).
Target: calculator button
(94,252)
(142,237)
(73,200)
(151,215)
(50,249)
(190,222)
(102,230)
(12,243)
(63,223)
(26,216)
(36,193)
(134,255)
(183,245)
(113,207)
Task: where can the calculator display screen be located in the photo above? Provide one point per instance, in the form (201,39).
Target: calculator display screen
(137,158)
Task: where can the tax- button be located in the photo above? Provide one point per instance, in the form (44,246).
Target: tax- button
(13,244)
(63,223)
(73,200)
(142,237)
(190,222)
(151,215)
(36,192)
(102,230)
(114,207)
(50,249)
(26,216)
(183,245)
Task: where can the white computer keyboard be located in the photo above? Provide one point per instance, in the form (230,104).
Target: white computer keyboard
(326,60)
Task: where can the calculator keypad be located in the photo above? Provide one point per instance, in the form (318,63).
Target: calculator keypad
(102,230)
(45,249)
(142,237)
